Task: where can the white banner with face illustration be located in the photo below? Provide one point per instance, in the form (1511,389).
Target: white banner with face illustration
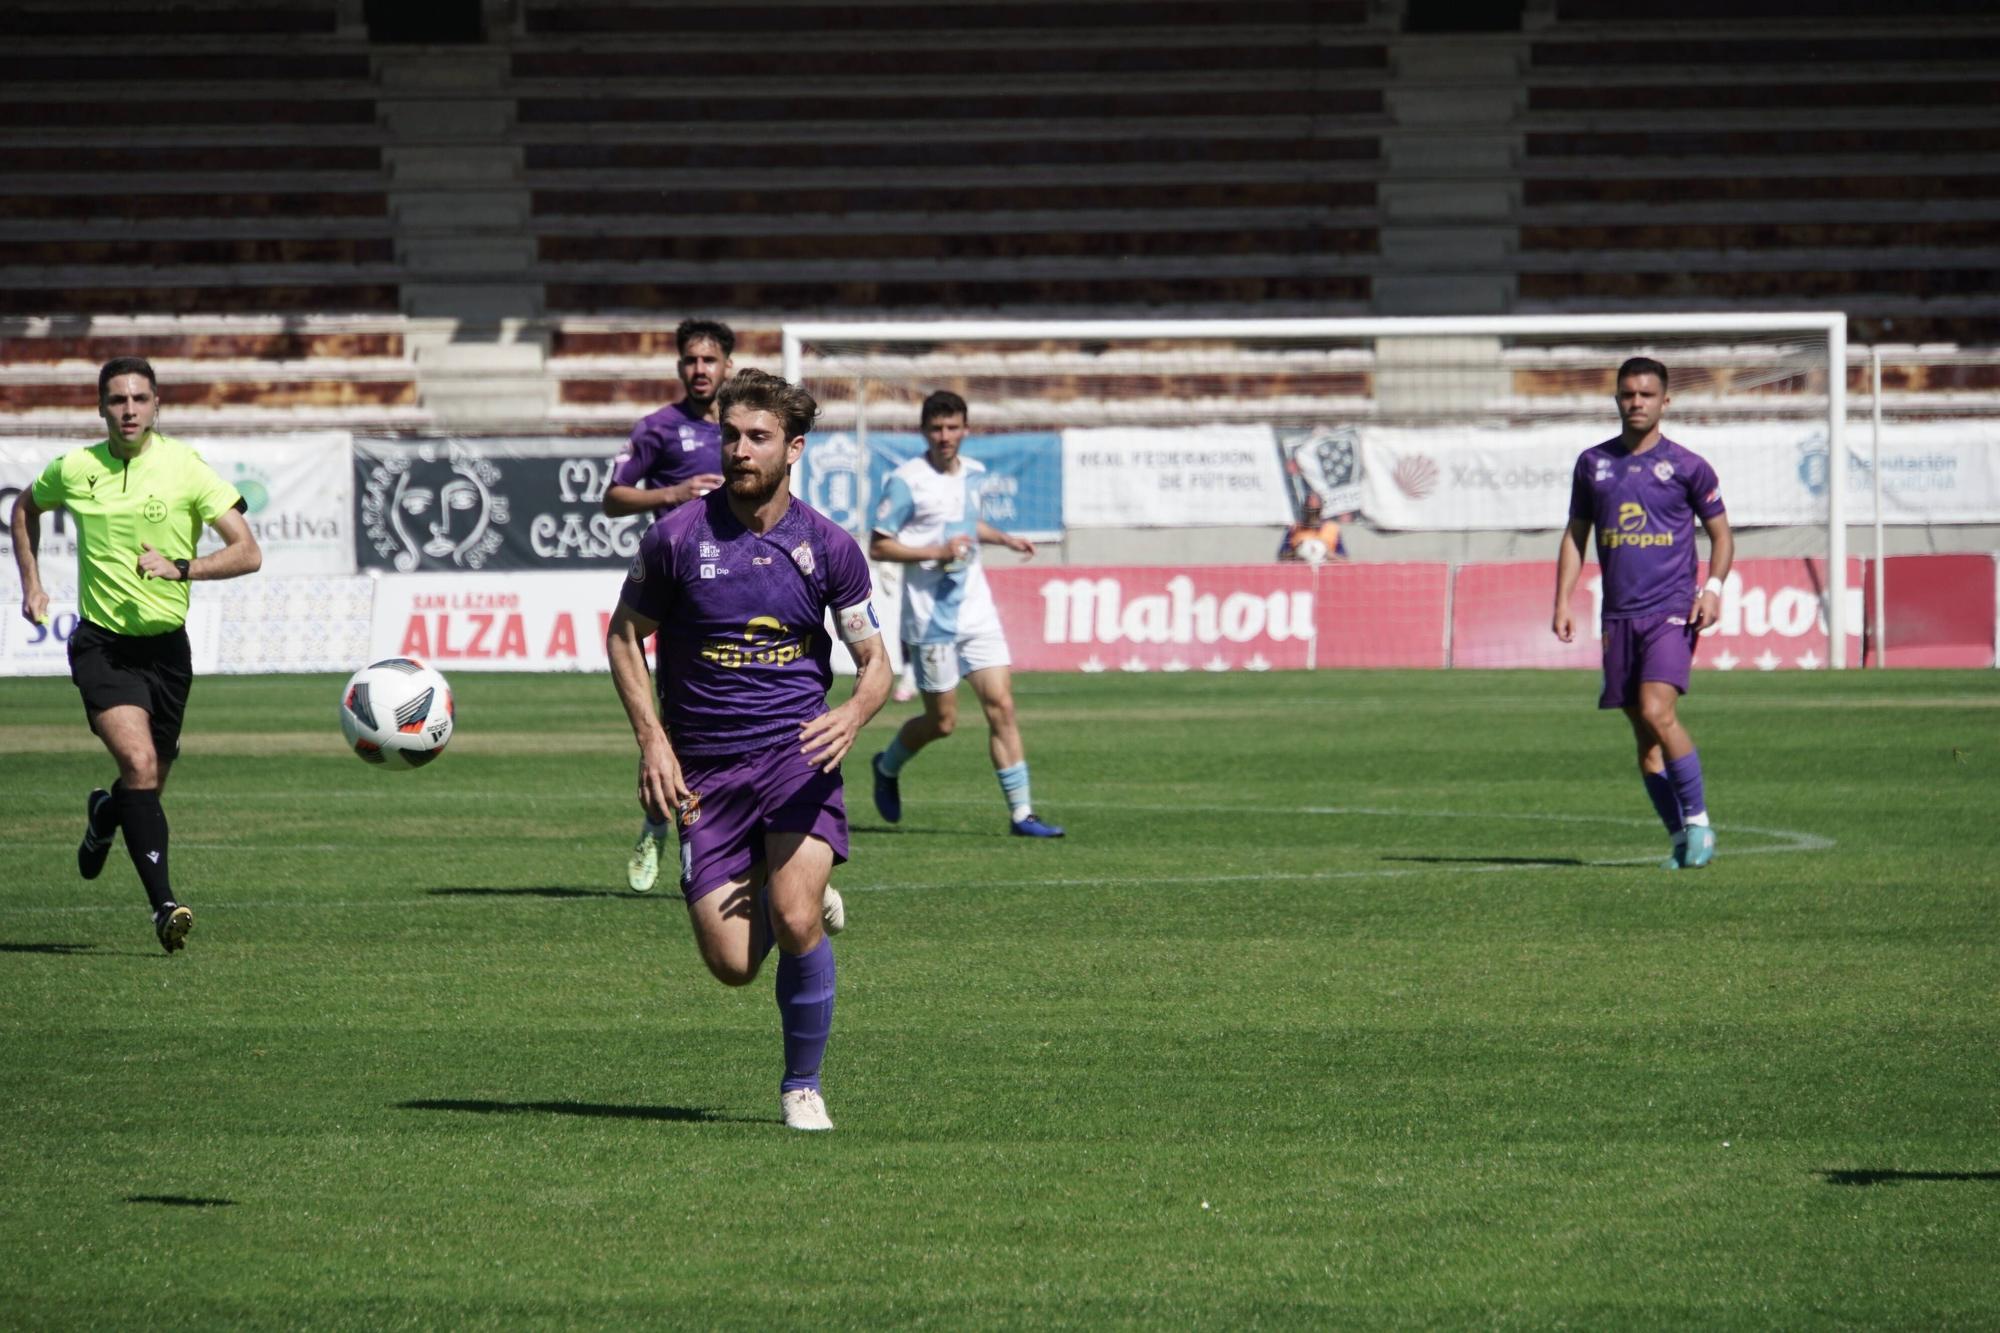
(462,504)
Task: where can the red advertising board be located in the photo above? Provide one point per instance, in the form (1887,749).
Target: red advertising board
(1772,617)
(1222,617)
(1940,611)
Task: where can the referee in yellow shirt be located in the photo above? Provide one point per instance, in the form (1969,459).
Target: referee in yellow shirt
(138,500)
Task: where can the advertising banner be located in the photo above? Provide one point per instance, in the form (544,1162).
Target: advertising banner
(500,504)
(255,624)
(496,622)
(1022,493)
(295,488)
(1328,460)
(1212,476)
(1773,473)
(1941,611)
(1223,618)
(1772,617)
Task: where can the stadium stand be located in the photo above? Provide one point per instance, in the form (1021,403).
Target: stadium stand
(508,224)
(1754,154)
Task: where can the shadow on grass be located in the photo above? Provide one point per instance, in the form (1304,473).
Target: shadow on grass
(1492,860)
(1885,1177)
(904,831)
(543,891)
(180,1200)
(11,947)
(480,1106)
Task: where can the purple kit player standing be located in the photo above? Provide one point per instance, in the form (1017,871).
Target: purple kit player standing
(1643,493)
(675,456)
(743,748)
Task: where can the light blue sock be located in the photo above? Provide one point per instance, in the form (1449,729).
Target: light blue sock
(895,757)
(1014,786)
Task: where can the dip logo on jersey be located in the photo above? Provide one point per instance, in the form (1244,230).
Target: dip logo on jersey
(1632,523)
(690,439)
(765,641)
(1603,470)
(155,510)
(434,507)
(833,479)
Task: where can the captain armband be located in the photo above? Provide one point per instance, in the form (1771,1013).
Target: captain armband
(858,622)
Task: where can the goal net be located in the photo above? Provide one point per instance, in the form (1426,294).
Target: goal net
(1434,445)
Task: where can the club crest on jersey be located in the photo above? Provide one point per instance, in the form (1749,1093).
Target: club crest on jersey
(802,556)
(1663,470)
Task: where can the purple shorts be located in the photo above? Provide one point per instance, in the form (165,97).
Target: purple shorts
(1649,648)
(739,798)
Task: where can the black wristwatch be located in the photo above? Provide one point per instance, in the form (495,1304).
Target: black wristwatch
(182,566)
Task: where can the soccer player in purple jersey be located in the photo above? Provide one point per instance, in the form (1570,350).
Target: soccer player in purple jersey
(744,749)
(675,456)
(1642,493)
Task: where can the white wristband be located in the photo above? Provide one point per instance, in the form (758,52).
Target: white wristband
(1714,586)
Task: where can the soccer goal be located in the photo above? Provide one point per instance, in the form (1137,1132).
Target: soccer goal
(1462,428)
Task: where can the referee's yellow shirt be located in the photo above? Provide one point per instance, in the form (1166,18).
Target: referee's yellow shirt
(160,499)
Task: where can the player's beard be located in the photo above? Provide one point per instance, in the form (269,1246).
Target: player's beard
(751,487)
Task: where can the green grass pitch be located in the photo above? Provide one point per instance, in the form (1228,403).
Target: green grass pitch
(1351,999)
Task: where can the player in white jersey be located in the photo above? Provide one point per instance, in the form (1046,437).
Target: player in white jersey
(928,520)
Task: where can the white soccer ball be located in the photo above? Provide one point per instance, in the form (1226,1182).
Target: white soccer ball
(397,712)
(1312,550)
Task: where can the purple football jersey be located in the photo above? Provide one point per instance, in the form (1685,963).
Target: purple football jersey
(669,446)
(745,659)
(1644,507)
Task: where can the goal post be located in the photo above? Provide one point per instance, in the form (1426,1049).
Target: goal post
(1481,377)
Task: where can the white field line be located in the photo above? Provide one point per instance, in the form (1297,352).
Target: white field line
(1792,841)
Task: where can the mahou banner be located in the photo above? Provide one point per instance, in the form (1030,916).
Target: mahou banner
(1221,617)
(1772,617)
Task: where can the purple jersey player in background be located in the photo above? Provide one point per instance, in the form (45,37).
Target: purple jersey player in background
(1642,493)
(675,456)
(744,749)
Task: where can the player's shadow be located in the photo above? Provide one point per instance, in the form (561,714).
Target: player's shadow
(1879,1176)
(180,1200)
(689,1115)
(1492,860)
(539,891)
(9,946)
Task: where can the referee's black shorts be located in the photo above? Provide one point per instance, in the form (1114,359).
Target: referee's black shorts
(153,672)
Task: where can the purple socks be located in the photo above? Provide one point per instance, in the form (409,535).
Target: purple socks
(1660,788)
(805,1012)
(1685,774)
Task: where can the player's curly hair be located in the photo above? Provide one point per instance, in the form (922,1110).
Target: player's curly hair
(761,391)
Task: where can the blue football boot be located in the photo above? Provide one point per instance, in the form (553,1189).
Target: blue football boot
(1700,846)
(1030,827)
(888,792)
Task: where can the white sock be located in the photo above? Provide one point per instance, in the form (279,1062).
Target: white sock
(655,828)
(1700,819)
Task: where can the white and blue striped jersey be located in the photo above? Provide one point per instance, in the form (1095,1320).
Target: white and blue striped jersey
(943,601)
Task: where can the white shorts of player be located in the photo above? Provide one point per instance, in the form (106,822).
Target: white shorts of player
(940,666)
